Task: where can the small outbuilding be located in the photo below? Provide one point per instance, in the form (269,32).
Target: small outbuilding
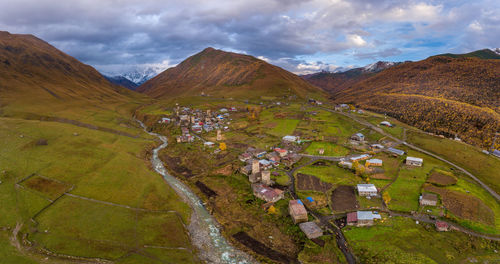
(311,229)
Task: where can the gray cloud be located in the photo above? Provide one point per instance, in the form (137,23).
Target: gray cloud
(390,52)
(295,34)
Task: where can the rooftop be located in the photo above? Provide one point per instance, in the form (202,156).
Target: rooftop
(297,207)
(429,197)
(310,228)
(366,188)
(396,151)
(414,159)
(368,215)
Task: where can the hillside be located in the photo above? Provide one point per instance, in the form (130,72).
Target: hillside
(336,81)
(122,81)
(481,54)
(221,73)
(36,77)
(440,94)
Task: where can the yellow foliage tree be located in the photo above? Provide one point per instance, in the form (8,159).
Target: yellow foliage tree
(222,146)
(271,210)
(386,197)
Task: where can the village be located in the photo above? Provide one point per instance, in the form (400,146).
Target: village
(261,165)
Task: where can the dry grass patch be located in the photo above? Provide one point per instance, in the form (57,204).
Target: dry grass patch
(442,178)
(46,186)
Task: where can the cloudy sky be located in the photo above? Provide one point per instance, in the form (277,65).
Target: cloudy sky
(300,36)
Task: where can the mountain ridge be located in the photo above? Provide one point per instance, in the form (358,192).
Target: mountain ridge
(36,76)
(441,94)
(224,73)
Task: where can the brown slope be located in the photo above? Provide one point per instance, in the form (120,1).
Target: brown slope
(221,73)
(30,68)
(442,95)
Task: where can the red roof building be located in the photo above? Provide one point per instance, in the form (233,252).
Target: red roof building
(352,218)
(441,226)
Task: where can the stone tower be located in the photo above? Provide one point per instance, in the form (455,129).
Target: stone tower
(219,135)
(266,177)
(255,166)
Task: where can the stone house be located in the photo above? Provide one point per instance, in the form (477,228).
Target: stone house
(297,211)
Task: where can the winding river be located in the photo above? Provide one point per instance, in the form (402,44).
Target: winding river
(203,228)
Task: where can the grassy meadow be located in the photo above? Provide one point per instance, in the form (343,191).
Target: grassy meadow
(101,166)
(400,240)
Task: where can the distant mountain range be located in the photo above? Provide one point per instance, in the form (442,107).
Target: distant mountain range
(227,74)
(335,81)
(450,94)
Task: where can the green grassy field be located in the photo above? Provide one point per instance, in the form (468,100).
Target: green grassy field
(101,166)
(283,127)
(485,167)
(406,189)
(313,253)
(329,148)
(400,240)
(78,227)
(332,174)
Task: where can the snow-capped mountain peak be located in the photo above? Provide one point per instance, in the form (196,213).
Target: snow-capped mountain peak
(139,73)
(140,76)
(497,51)
(378,66)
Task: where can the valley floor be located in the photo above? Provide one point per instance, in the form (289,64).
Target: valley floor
(232,202)
(86,191)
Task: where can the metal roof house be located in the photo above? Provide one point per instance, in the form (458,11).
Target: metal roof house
(362,218)
(290,138)
(367,189)
(414,161)
(360,157)
(386,123)
(358,137)
(374,162)
(396,151)
(428,199)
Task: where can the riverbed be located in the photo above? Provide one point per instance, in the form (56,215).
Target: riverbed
(203,229)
